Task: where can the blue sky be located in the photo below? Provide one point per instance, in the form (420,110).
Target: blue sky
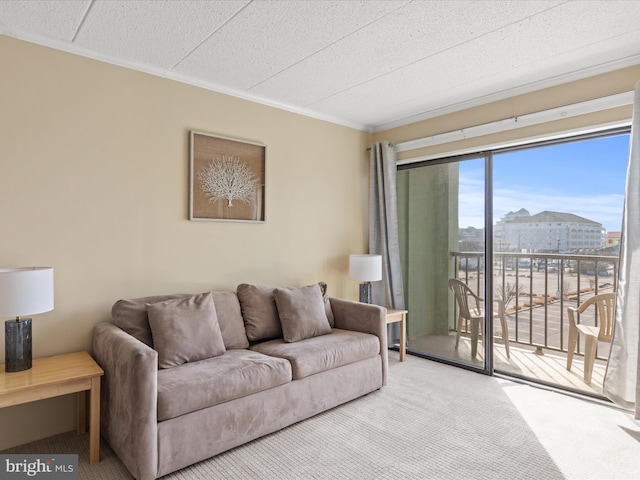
(586,178)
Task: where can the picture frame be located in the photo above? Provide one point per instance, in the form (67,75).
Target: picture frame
(227,179)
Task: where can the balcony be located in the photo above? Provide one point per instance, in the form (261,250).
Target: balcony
(537,289)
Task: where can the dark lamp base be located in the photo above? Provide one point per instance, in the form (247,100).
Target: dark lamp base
(17,345)
(365,292)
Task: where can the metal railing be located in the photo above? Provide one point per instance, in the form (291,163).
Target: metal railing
(537,289)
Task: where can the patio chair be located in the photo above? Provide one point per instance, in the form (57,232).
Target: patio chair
(474,314)
(604,306)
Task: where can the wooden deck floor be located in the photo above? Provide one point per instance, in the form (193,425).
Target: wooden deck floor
(550,367)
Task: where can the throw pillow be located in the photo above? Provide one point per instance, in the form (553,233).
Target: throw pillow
(185,330)
(259,312)
(131,315)
(302,312)
(327,303)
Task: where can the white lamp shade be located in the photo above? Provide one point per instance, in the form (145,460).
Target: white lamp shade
(25,291)
(365,268)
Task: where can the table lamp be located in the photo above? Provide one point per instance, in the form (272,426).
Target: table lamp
(366,269)
(23,291)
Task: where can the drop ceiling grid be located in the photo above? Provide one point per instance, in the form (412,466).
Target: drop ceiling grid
(268,37)
(363,62)
(400,39)
(467,71)
(151,32)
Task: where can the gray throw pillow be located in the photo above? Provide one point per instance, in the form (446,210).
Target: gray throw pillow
(302,312)
(131,315)
(230,320)
(259,312)
(185,330)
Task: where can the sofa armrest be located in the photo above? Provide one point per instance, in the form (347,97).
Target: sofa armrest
(365,318)
(129,396)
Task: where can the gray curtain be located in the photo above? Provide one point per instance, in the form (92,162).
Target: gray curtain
(621,378)
(383,229)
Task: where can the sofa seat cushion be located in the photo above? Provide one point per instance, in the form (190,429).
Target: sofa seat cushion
(318,354)
(236,373)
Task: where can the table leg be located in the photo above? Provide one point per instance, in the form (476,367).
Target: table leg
(82,412)
(403,337)
(94,422)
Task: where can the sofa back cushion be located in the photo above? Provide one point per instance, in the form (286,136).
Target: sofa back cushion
(230,319)
(185,330)
(131,316)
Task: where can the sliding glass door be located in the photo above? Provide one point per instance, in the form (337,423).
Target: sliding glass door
(442,214)
(508,242)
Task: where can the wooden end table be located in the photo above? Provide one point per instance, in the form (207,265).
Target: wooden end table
(393,316)
(59,375)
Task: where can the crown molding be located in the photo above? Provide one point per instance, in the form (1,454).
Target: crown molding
(169,75)
(74,49)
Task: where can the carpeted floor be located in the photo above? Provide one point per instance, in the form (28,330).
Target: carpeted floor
(432,421)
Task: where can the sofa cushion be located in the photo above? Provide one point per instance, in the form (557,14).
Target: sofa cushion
(131,316)
(230,320)
(185,330)
(318,354)
(302,312)
(209,382)
(259,312)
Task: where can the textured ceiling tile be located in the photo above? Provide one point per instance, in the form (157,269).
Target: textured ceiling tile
(158,33)
(521,53)
(53,19)
(406,36)
(439,83)
(270,36)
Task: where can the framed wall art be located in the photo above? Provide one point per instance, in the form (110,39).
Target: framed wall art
(227,179)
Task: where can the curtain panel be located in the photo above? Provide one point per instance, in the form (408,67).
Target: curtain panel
(383,229)
(621,377)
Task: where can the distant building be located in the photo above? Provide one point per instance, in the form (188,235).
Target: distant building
(523,212)
(471,239)
(548,232)
(613,239)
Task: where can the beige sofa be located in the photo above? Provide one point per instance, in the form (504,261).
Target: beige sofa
(189,376)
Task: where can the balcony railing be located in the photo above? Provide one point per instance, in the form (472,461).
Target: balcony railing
(538,288)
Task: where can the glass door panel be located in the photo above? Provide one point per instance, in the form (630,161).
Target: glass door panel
(441,211)
(558,215)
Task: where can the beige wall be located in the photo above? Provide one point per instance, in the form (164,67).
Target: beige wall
(94,182)
(574,92)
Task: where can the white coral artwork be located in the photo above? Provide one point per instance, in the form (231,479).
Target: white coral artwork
(228,178)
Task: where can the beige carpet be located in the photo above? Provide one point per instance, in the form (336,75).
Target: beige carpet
(431,422)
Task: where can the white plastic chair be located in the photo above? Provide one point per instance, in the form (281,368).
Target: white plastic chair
(474,314)
(604,304)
